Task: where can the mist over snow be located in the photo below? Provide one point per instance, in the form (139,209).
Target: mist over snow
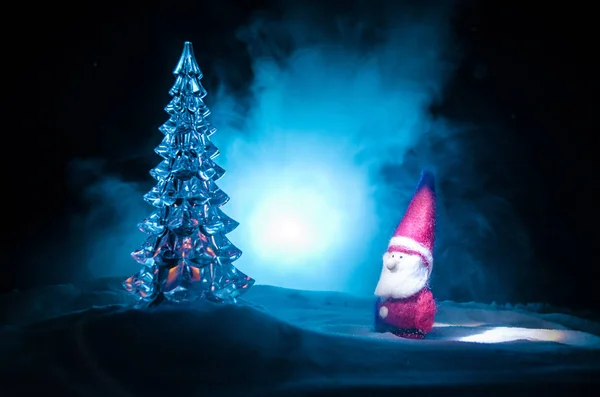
(324,154)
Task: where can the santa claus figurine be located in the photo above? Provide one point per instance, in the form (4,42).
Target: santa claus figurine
(405,304)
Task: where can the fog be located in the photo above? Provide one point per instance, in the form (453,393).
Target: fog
(323,157)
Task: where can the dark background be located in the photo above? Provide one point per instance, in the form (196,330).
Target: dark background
(525,69)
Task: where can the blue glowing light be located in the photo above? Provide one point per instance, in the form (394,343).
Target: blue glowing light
(305,167)
(295,225)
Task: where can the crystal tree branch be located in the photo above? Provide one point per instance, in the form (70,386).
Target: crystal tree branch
(187,255)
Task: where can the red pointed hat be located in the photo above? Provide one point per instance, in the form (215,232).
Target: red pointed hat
(416,232)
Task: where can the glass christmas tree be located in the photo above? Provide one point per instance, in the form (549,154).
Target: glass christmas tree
(187,255)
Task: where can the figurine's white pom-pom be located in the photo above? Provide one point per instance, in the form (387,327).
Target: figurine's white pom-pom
(383,312)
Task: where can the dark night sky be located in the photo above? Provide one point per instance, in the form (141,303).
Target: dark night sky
(525,68)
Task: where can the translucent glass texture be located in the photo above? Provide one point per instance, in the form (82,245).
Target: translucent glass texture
(187,255)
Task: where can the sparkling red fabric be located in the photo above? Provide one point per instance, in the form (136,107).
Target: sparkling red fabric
(418,222)
(410,317)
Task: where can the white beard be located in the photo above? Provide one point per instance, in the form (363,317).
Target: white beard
(408,275)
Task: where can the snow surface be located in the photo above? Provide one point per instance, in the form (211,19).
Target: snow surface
(86,340)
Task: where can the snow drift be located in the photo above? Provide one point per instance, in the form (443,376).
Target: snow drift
(86,340)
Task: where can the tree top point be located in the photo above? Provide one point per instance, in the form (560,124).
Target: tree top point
(187,62)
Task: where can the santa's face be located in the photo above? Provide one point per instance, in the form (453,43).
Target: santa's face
(402,275)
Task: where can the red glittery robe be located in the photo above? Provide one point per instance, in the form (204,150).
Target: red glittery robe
(410,317)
